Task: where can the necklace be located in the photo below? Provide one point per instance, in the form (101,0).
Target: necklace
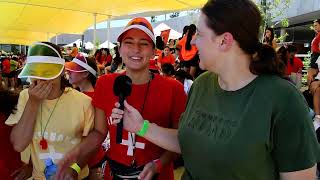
(43,142)
(142,111)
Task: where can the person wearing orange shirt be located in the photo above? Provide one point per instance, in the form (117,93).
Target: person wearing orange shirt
(166,57)
(74,51)
(189,52)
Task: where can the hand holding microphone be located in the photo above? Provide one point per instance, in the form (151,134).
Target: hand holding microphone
(122,89)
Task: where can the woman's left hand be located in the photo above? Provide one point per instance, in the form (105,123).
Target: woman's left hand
(132,119)
(148,171)
(64,171)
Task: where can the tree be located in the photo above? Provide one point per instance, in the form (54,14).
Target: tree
(153,19)
(174,15)
(273,13)
(97,43)
(193,15)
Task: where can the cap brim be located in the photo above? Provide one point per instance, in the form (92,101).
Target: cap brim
(141,28)
(45,71)
(72,66)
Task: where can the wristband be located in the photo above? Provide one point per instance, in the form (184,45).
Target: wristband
(144,128)
(158,164)
(76,167)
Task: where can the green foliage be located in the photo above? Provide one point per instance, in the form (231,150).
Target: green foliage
(153,19)
(193,15)
(282,38)
(273,13)
(174,15)
(306,65)
(97,43)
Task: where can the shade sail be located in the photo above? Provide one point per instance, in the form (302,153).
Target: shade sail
(77,42)
(73,16)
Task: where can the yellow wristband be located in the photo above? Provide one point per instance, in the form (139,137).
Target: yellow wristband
(75,167)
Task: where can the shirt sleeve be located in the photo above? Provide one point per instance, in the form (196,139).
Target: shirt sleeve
(99,94)
(15,117)
(26,155)
(178,104)
(172,59)
(317,42)
(295,146)
(88,120)
(300,63)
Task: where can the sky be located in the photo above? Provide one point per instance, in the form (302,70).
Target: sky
(121,23)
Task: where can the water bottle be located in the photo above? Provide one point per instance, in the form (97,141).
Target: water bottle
(50,169)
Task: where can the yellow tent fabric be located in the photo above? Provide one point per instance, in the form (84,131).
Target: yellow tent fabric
(32,20)
(23,37)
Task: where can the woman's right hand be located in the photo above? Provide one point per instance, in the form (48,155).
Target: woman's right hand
(132,119)
(39,90)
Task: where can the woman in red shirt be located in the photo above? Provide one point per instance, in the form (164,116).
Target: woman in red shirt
(166,57)
(103,59)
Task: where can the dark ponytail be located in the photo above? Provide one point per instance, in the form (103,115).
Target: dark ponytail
(242,19)
(191,31)
(92,63)
(265,61)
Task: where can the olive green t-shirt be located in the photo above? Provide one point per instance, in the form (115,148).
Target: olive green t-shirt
(253,133)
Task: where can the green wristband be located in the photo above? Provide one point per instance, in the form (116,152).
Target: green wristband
(144,128)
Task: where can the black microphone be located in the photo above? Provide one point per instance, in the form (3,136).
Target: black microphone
(122,89)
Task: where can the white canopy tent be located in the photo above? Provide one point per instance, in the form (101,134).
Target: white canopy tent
(107,44)
(89,45)
(78,43)
(161,27)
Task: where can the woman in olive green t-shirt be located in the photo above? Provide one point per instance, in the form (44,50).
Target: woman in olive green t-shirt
(242,120)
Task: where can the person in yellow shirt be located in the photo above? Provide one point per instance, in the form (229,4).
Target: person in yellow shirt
(51,118)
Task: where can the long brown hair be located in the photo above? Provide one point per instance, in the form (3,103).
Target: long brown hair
(242,19)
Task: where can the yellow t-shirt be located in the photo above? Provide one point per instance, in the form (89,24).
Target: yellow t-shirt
(72,119)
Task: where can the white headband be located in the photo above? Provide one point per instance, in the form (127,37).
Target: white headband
(45,59)
(84,65)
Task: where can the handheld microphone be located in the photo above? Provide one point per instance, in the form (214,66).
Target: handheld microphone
(122,89)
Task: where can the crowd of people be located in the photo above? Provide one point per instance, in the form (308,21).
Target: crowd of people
(9,69)
(227,105)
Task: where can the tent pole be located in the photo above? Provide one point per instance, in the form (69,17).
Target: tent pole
(20,48)
(56,39)
(108,31)
(94,31)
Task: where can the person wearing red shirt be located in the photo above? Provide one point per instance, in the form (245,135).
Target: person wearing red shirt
(294,65)
(166,57)
(315,52)
(160,100)
(314,84)
(104,59)
(6,72)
